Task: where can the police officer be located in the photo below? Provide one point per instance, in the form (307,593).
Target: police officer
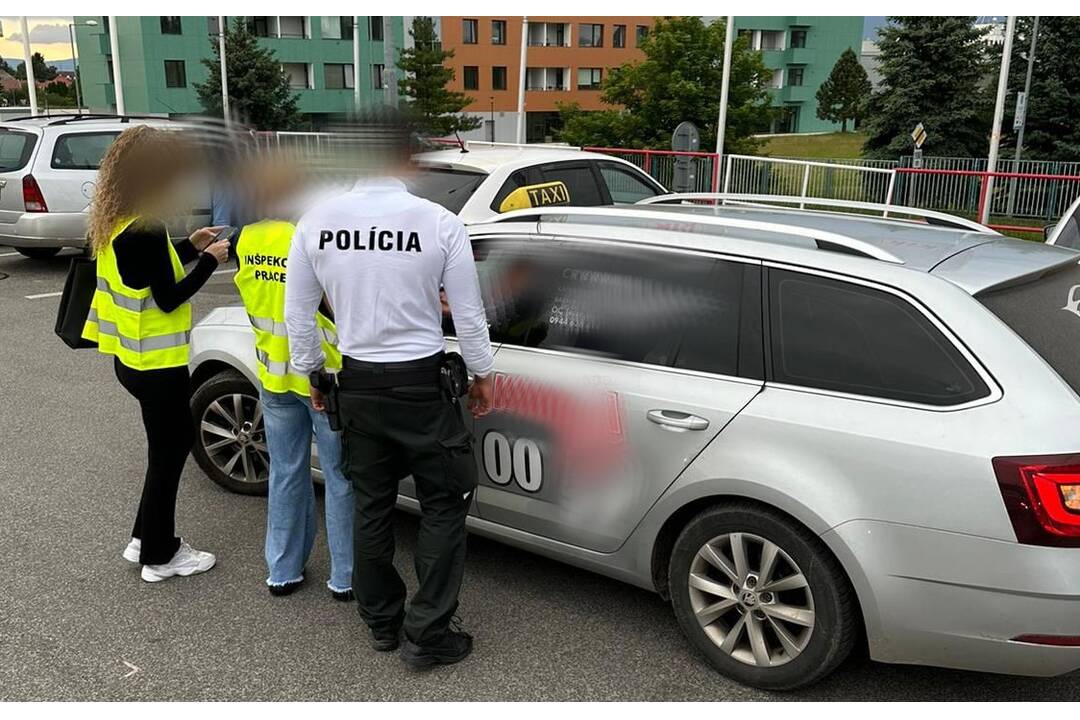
(380,256)
(288,417)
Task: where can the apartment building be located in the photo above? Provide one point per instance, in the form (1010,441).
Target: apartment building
(566,60)
(162,60)
(801,52)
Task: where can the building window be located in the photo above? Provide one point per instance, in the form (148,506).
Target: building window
(338,76)
(471,76)
(498,32)
(377,76)
(498,77)
(376,27)
(590,35)
(298,74)
(470,31)
(795,75)
(170,25)
(588,78)
(772,40)
(618,36)
(212,27)
(798,38)
(337,27)
(292,26)
(640,34)
(259,26)
(175,74)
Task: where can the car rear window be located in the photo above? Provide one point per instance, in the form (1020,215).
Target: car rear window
(81,151)
(15,149)
(449,188)
(1046,314)
(850,338)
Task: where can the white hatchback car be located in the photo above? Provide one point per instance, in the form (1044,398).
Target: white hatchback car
(48,168)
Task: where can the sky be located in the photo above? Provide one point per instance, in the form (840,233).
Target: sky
(48,36)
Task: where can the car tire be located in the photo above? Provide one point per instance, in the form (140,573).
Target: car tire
(791,608)
(38,253)
(242,465)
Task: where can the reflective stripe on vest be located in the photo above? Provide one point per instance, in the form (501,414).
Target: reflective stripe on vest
(128,324)
(262,252)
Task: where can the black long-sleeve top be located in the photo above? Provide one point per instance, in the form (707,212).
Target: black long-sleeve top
(142,258)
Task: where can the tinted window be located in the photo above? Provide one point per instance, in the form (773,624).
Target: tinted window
(1070,231)
(82,151)
(449,188)
(579,179)
(1046,313)
(517,179)
(15,149)
(849,338)
(624,185)
(637,305)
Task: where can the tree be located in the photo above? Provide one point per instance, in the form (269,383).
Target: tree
(933,71)
(1052,131)
(843,96)
(433,109)
(42,71)
(678,80)
(259,91)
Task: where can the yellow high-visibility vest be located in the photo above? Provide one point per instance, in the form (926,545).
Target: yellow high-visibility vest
(263,251)
(127,323)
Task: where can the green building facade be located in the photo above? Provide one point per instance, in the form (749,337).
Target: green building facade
(801,51)
(162,60)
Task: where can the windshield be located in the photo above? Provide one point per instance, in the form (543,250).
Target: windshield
(15,149)
(1046,313)
(449,188)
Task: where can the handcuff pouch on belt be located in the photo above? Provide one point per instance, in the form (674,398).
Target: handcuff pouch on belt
(453,376)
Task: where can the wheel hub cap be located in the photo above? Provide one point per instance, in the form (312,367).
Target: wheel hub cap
(232,436)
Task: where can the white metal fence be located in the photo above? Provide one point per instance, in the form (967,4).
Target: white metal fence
(862,181)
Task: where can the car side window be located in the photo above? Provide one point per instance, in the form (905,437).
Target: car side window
(518,178)
(850,338)
(624,185)
(1069,236)
(81,151)
(637,305)
(579,179)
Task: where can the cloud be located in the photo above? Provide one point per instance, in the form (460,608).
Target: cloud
(46,33)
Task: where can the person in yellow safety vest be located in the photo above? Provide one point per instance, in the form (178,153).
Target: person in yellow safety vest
(141,316)
(262,253)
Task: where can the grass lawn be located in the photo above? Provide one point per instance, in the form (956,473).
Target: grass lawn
(829,146)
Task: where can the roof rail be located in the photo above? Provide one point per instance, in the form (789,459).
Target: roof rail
(531,146)
(822,239)
(933,217)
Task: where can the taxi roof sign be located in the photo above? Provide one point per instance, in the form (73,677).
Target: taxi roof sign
(539,195)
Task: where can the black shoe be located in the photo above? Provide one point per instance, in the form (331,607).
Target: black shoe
(385,640)
(286,589)
(454,646)
(343,595)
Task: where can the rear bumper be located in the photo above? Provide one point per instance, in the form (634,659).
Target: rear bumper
(44,230)
(938,598)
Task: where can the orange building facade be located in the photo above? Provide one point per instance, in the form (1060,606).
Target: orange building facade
(567,57)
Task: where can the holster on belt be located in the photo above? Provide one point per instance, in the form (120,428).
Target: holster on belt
(328,386)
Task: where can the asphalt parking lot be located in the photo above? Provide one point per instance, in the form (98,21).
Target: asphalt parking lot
(76,622)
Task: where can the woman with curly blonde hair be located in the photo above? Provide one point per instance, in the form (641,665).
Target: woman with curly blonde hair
(141,316)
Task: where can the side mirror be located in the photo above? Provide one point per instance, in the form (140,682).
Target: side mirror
(539,195)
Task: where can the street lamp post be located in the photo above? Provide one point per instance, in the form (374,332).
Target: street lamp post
(225,112)
(31,82)
(75,64)
(118,81)
(999,112)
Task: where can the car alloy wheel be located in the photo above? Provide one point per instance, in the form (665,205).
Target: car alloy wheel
(751,599)
(234,437)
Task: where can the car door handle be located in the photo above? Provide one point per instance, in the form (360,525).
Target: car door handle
(675,420)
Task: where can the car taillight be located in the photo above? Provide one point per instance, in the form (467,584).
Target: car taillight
(1042,497)
(33,200)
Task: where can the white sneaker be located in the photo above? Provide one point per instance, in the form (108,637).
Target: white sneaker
(131,552)
(186,561)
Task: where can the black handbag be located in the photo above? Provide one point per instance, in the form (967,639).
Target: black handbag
(75,302)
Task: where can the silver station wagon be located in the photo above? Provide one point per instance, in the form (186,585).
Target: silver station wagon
(808,429)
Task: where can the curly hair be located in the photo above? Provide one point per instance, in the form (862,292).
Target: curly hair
(140,165)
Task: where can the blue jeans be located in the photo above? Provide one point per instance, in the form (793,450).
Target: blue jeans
(290,523)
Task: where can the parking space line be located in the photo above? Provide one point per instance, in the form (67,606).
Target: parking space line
(226,270)
(44,295)
(8,254)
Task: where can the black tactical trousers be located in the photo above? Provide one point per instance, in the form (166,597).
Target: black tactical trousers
(388,434)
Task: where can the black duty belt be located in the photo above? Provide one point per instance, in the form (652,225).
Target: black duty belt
(359,375)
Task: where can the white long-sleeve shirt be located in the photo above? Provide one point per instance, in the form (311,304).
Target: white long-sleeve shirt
(380,255)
